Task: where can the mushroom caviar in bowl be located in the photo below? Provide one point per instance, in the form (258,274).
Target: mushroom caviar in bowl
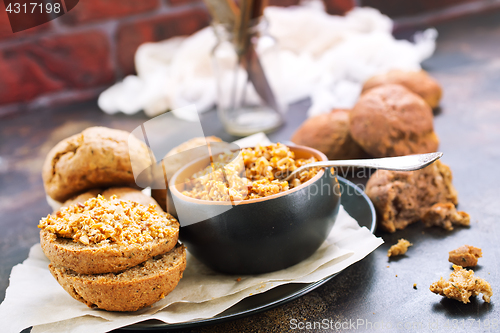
(237,217)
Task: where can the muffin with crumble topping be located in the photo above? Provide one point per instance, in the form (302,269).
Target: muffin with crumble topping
(106,236)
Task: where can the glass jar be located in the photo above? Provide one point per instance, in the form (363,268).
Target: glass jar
(245,101)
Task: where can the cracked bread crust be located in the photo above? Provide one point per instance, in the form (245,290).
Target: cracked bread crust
(402,198)
(329,133)
(96,158)
(390,120)
(418,82)
(131,290)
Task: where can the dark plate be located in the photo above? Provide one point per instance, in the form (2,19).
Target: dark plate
(355,202)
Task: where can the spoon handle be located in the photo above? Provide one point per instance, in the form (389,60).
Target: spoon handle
(400,163)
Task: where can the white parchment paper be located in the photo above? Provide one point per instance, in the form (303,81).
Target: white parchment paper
(34,298)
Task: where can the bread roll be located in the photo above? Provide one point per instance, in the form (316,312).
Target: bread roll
(131,290)
(329,133)
(418,82)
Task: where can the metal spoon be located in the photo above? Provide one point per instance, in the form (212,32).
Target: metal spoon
(401,163)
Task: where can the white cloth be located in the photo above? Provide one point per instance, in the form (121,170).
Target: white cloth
(318,55)
(321,56)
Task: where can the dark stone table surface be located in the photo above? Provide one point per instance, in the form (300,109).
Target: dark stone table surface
(375,290)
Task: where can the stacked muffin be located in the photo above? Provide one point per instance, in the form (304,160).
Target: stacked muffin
(114,248)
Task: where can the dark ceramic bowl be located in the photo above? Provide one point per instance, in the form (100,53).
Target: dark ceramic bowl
(259,235)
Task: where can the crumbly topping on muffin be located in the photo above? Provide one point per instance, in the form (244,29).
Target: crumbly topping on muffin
(99,221)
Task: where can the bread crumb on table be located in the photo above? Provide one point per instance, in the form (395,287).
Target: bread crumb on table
(465,256)
(400,248)
(462,285)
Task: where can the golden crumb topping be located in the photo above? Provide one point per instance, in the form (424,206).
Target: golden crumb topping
(100,221)
(249,174)
(462,285)
(400,248)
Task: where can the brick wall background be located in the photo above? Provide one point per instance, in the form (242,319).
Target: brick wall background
(80,54)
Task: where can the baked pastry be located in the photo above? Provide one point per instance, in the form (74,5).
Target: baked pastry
(418,82)
(445,215)
(123,193)
(106,236)
(462,285)
(130,290)
(401,198)
(390,120)
(159,192)
(400,248)
(80,198)
(465,256)
(329,133)
(98,157)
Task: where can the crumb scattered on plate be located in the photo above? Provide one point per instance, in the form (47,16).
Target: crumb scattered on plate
(465,256)
(400,248)
(462,285)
